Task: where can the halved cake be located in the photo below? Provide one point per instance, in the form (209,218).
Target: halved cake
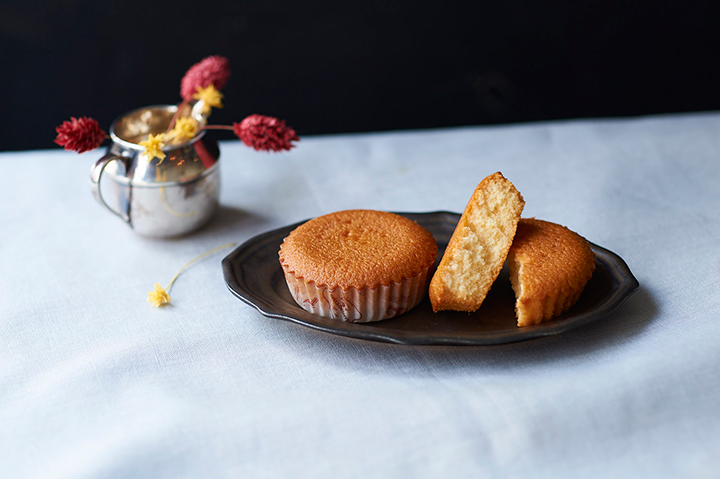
(549,268)
(478,247)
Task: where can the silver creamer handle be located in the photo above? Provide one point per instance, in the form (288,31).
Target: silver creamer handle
(95,174)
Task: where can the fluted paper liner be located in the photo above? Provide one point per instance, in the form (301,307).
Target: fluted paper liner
(359,305)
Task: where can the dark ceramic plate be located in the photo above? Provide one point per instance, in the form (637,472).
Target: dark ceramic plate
(253,273)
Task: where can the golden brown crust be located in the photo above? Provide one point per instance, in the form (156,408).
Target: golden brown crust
(478,247)
(549,267)
(357,248)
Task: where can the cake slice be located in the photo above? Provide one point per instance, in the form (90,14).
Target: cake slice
(478,247)
(549,267)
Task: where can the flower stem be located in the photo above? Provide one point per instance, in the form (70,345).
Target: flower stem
(195,260)
(216,127)
(180,108)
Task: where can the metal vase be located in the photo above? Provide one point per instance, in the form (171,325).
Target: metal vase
(158,198)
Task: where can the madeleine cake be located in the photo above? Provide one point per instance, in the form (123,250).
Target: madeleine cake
(358,265)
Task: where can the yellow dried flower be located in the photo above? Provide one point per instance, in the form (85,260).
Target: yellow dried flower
(185,129)
(159,297)
(153,147)
(210,97)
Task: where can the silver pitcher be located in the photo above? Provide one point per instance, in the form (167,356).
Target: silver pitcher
(158,198)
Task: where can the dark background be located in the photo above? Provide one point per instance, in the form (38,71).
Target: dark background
(329,67)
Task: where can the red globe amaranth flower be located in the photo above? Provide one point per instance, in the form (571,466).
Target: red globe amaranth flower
(265,133)
(213,70)
(80,134)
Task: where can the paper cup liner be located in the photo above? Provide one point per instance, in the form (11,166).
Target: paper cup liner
(359,305)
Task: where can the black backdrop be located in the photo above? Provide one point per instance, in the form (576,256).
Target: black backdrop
(330,67)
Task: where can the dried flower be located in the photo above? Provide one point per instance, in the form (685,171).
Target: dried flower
(185,129)
(214,70)
(159,297)
(210,97)
(202,82)
(265,133)
(153,147)
(80,134)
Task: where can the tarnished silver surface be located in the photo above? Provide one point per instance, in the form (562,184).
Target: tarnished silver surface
(158,198)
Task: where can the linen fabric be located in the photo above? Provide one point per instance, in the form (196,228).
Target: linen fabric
(97,383)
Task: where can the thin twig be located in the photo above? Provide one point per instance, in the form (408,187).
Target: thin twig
(180,108)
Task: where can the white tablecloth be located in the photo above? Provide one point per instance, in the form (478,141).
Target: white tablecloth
(96,383)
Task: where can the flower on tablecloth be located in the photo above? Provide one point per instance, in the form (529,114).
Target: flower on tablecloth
(80,134)
(159,297)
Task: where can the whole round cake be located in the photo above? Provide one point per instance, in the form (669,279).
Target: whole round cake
(358,265)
